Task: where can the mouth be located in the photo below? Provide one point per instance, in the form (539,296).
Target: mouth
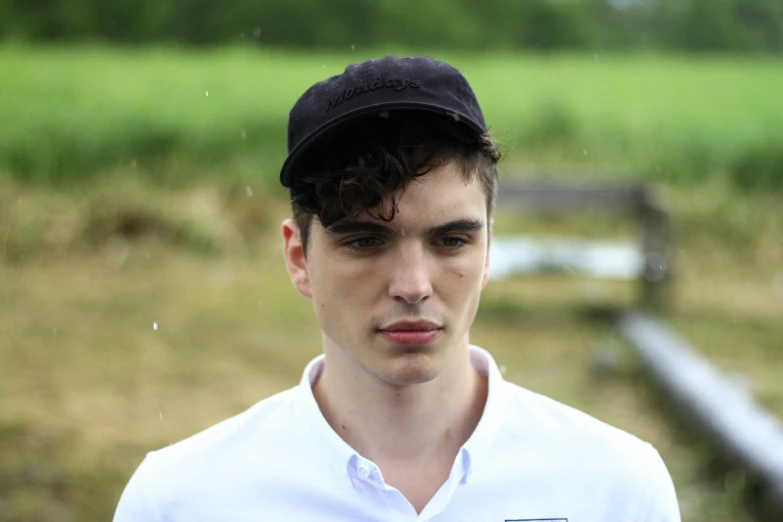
(411,333)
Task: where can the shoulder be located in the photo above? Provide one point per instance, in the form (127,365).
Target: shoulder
(563,425)
(265,419)
(605,460)
(218,451)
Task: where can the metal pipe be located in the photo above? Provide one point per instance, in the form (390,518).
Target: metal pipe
(723,410)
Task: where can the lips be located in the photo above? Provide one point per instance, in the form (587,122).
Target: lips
(411,333)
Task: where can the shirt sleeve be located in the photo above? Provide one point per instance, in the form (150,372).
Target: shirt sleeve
(137,503)
(662,498)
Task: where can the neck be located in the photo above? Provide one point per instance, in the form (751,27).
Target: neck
(401,424)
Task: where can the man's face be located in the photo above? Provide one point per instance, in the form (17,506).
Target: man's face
(398,298)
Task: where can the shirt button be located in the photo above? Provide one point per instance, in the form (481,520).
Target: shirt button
(363,471)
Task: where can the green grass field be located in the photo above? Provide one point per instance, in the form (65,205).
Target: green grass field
(155,205)
(71,112)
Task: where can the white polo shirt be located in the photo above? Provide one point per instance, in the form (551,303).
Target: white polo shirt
(529,458)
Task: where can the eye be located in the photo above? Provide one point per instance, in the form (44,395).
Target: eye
(452,243)
(364,243)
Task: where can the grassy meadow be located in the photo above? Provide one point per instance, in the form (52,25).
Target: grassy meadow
(71,112)
(143,295)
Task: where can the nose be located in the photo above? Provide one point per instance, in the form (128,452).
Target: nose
(410,279)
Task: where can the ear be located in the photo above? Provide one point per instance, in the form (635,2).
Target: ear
(485,276)
(294,254)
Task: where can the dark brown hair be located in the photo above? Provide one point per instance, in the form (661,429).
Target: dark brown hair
(355,169)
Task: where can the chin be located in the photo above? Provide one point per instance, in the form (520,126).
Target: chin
(412,368)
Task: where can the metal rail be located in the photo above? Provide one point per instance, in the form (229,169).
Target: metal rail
(723,411)
(636,200)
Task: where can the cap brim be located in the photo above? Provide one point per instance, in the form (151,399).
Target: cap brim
(300,151)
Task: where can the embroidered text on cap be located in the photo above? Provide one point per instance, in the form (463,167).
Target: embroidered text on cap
(397,84)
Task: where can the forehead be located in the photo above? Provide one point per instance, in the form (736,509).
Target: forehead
(443,194)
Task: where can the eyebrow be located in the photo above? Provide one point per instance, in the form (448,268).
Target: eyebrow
(353,226)
(458,225)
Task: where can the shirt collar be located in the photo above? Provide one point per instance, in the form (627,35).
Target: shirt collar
(478,444)
(344,458)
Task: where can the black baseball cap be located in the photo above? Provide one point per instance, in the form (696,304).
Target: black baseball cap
(377,86)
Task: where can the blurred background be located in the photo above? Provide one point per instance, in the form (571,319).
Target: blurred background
(143,295)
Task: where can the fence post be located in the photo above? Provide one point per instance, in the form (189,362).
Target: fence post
(657,245)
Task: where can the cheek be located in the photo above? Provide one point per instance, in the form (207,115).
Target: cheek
(342,284)
(469,283)
(462,275)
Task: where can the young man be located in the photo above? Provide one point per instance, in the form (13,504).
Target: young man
(393,178)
